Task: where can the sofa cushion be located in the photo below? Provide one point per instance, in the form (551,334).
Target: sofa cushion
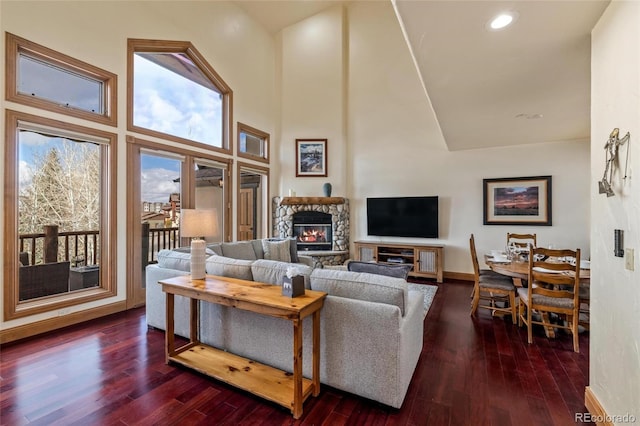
(187,249)
(273,271)
(257,247)
(277,250)
(361,286)
(229,267)
(216,248)
(398,271)
(239,250)
(173,259)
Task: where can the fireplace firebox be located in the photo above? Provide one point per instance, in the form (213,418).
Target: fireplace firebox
(312,230)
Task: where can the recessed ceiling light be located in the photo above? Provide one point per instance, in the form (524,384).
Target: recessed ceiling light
(529,116)
(502,20)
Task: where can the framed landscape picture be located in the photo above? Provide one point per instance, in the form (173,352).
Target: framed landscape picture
(311,157)
(517,201)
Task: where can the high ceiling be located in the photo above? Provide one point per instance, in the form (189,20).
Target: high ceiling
(528,83)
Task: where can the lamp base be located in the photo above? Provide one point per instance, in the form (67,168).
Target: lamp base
(198,257)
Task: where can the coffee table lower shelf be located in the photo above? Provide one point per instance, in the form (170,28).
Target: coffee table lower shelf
(260,379)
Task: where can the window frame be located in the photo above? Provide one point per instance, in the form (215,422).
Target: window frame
(187,48)
(265,172)
(135,146)
(245,128)
(17,45)
(13,308)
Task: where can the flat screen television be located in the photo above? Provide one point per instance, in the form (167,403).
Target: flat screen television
(403,217)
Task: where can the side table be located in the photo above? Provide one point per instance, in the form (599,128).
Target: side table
(288,390)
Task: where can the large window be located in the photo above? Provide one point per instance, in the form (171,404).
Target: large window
(162,181)
(46,79)
(175,94)
(59,219)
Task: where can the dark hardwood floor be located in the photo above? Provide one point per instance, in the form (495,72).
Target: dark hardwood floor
(111,371)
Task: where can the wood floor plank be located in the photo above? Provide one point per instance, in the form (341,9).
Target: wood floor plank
(472,371)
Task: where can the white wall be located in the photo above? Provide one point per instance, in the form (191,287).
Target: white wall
(394,145)
(614,368)
(312,95)
(241,51)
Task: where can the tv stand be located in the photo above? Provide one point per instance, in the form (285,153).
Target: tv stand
(427,260)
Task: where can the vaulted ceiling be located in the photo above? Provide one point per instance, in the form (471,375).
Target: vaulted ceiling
(527,83)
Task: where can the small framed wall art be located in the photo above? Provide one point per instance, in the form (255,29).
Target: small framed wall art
(311,157)
(517,201)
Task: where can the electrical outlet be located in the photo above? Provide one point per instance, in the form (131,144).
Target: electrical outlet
(628,259)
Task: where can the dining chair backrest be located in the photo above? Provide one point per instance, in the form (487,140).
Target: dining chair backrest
(554,287)
(522,240)
(474,256)
(496,291)
(554,279)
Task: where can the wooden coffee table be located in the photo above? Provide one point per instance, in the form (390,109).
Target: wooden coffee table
(286,389)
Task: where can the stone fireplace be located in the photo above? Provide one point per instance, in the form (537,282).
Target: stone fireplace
(320,225)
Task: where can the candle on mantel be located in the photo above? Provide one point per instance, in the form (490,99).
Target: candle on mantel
(292,193)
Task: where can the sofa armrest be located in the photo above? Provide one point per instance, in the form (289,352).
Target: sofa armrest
(156,301)
(306,260)
(374,355)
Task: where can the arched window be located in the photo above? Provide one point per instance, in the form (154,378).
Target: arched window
(175,94)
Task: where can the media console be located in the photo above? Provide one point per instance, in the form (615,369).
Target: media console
(427,260)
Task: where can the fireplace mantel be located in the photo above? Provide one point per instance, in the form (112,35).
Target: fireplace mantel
(298,201)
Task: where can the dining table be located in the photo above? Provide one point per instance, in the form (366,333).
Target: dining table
(518,270)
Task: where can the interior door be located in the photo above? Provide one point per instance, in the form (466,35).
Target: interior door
(246,216)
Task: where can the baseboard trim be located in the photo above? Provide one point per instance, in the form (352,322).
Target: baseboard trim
(459,276)
(39,327)
(598,414)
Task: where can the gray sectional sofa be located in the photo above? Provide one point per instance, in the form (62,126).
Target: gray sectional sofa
(371,325)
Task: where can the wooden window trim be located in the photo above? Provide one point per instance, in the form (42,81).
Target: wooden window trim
(164,46)
(241,127)
(13,308)
(15,45)
(134,227)
(267,207)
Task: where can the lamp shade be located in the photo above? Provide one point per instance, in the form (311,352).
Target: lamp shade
(196,223)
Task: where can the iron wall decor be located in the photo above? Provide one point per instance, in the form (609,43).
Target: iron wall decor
(611,156)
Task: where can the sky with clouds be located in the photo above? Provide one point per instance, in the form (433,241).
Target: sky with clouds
(164,102)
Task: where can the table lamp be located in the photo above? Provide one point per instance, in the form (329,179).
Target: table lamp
(198,223)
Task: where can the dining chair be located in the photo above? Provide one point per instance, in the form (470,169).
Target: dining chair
(585,305)
(522,240)
(553,288)
(491,287)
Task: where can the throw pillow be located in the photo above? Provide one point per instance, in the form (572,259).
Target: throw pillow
(277,250)
(293,247)
(397,271)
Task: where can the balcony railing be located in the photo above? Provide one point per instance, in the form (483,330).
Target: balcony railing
(157,239)
(78,247)
(81,248)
